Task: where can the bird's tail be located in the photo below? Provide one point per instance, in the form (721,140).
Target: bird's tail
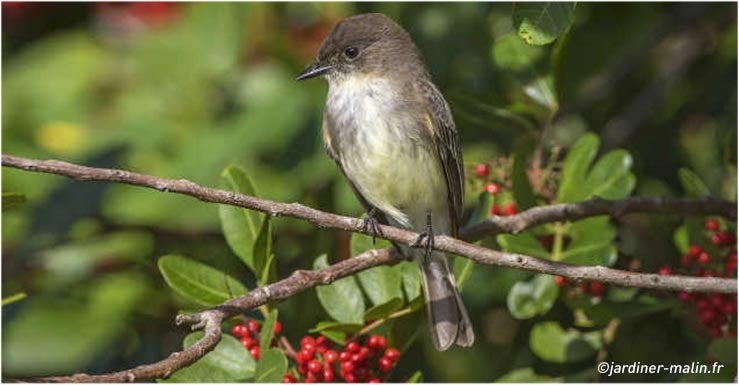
(447,315)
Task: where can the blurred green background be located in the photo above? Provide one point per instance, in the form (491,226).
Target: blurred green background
(184,90)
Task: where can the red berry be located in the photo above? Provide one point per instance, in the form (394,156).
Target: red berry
(248,342)
(328,375)
(596,288)
(347,366)
(495,210)
(254,351)
(277,328)
(345,356)
(253,326)
(330,356)
(384,364)
(685,260)
(482,170)
(714,332)
(491,188)
(239,330)
(321,340)
(712,224)
(350,378)
(303,369)
(729,307)
(704,258)
(560,280)
(392,354)
(288,378)
(377,341)
(374,380)
(694,250)
(314,366)
(307,340)
(353,347)
(510,209)
(309,348)
(664,270)
(303,357)
(684,296)
(357,358)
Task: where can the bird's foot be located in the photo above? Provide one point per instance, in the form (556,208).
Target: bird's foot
(426,238)
(372,225)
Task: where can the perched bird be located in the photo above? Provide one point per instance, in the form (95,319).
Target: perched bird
(391,133)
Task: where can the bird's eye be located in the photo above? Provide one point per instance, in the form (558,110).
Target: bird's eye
(351,52)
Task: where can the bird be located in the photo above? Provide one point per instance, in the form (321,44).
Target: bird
(392,135)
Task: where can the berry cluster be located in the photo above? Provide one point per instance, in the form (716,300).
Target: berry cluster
(482,172)
(716,312)
(248,335)
(318,360)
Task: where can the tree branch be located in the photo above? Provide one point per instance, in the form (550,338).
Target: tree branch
(303,280)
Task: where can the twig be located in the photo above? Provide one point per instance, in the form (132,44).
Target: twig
(208,320)
(303,280)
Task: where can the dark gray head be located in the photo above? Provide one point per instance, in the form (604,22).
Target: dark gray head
(367,43)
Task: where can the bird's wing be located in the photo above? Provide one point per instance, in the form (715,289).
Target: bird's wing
(446,140)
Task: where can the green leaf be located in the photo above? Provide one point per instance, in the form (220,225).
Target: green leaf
(227,362)
(692,184)
(382,284)
(342,299)
(575,167)
(13,298)
(12,200)
(724,350)
(523,194)
(271,366)
(263,252)
(542,23)
(197,281)
(415,378)
(241,227)
(383,310)
(551,343)
(267,332)
(525,375)
(466,271)
(324,326)
(411,280)
(610,177)
(681,239)
(532,298)
(591,242)
(524,243)
(482,211)
(511,53)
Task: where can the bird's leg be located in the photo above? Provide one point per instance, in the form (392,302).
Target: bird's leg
(371,224)
(426,238)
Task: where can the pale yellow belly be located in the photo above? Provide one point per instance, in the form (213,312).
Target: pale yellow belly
(403,180)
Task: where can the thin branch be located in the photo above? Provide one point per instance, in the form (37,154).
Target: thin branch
(303,280)
(208,320)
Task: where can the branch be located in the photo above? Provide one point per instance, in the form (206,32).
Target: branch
(303,280)
(208,320)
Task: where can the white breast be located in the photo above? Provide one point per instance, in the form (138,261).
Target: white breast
(391,167)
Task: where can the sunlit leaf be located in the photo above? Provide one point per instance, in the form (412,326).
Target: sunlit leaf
(542,23)
(197,281)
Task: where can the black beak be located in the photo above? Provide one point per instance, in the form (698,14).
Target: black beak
(312,71)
